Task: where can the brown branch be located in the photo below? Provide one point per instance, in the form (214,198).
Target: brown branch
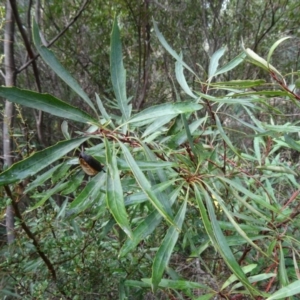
(30,234)
(86,2)
(284,86)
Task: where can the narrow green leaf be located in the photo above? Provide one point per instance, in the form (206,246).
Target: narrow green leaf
(139,284)
(59,187)
(163,176)
(256,143)
(283,276)
(141,197)
(233,278)
(255,278)
(181,137)
(265,93)
(287,127)
(50,59)
(278,169)
(225,250)
(38,161)
(118,72)
(287,291)
(249,125)
(46,103)
(158,124)
(259,61)
(89,195)
(75,182)
(225,137)
(218,239)
(60,172)
(164,252)
(291,142)
(181,78)
(214,62)
(102,109)
(41,179)
(10,294)
(164,110)
(231,218)
(146,227)
(274,46)
(145,185)
(114,191)
(62,209)
(179,284)
(165,44)
(229,100)
(204,215)
(235,186)
(238,83)
(232,64)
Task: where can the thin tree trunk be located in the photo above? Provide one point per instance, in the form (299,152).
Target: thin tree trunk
(10,78)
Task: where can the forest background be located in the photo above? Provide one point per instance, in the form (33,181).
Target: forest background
(198,139)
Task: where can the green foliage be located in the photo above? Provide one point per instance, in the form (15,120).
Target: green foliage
(197,179)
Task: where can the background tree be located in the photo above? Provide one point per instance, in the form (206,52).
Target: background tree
(10,78)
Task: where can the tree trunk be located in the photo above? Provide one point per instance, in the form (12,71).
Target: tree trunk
(10,78)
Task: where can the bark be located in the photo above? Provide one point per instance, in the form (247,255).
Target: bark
(38,114)
(10,78)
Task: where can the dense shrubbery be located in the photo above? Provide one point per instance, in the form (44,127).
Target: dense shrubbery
(196,201)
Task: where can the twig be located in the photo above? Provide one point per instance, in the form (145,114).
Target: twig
(30,234)
(86,2)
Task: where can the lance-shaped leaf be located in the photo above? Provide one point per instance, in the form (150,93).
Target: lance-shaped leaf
(158,125)
(232,278)
(164,252)
(118,72)
(230,217)
(145,184)
(232,64)
(38,161)
(103,111)
(146,227)
(225,137)
(57,188)
(287,291)
(88,195)
(218,240)
(50,59)
(214,63)
(169,48)
(163,110)
(172,284)
(259,61)
(182,136)
(46,103)
(274,46)
(181,78)
(114,191)
(41,179)
(239,84)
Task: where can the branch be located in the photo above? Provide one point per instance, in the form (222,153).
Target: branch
(30,234)
(86,2)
